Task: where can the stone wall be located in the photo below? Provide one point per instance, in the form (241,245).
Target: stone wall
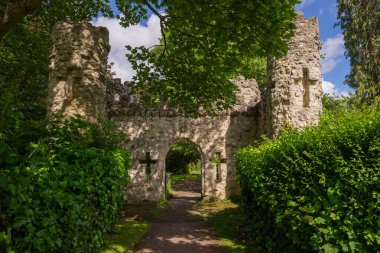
(120,102)
(294,95)
(156,135)
(78,66)
(155,130)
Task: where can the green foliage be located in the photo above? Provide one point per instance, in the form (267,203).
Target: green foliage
(228,219)
(194,168)
(23,80)
(316,190)
(177,178)
(48,12)
(360,22)
(61,192)
(204,45)
(169,186)
(180,156)
(254,67)
(24,55)
(339,105)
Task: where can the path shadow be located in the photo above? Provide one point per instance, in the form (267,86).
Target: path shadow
(181,227)
(229,220)
(189,186)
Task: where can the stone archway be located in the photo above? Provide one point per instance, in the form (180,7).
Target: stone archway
(152,137)
(201,156)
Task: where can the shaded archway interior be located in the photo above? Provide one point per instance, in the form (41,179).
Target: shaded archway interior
(184,168)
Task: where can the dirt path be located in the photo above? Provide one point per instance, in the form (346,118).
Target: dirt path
(181,227)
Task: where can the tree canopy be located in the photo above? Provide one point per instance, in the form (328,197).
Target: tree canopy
(360,22)
(204,43)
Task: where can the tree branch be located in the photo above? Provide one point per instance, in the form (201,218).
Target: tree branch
(162,18)
(15,12)
(162,26)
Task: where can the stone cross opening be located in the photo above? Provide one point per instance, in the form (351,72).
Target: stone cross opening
(219,160)
(306,88)
(148,161)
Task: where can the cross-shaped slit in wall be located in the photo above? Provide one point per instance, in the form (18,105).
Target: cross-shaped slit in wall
(306,87)
(218,160)
(148,161)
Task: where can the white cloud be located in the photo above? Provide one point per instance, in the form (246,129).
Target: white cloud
(333,49)
(330,88)
(137,35)
(303,4)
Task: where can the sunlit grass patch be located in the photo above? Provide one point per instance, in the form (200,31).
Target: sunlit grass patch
(127,234)
(145,211)
(137,220)
(228,219)
(176,178)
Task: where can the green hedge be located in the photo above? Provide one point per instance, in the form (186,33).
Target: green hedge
(316,190)
(62,193)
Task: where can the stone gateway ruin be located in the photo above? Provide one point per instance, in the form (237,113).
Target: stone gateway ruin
(79,85)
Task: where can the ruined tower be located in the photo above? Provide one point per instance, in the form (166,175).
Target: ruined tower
(78,66)
(294,94)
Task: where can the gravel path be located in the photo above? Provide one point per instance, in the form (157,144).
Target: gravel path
(180,227)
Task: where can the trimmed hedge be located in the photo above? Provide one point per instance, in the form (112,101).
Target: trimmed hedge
(316,190)
(63,194)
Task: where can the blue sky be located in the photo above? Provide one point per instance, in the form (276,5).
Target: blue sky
(334,67)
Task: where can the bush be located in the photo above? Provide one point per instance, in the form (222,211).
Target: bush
(194,168)
(60,181)
(62,193)
(316,190)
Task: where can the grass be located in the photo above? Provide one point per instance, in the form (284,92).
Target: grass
(127,234)
(145,211)
(176,178)
(228,219)
(136,220)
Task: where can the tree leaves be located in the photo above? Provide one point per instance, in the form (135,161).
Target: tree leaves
(360,22)
(204,45)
